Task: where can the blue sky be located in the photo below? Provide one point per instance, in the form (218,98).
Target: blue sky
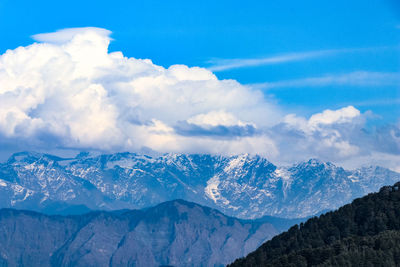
(329,70)
(366,35)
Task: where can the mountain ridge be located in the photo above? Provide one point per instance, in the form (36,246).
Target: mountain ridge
(178,233)
(243,186)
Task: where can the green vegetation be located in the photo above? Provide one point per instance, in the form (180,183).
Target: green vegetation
(363,233)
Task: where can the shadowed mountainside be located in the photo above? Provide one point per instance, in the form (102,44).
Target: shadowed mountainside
(177,233)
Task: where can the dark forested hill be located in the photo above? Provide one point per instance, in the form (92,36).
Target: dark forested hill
(363,233)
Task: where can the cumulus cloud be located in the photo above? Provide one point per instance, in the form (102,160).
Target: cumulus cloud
(343,115)
(67,91)
(339,136)
(324,135)
(71,88)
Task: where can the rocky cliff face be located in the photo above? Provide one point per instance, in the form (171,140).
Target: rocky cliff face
(177,233)
(242,186)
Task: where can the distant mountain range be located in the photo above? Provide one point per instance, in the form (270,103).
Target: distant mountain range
(363,233)
(243,186)
(174,233)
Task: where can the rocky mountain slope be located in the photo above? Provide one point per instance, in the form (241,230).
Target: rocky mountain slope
(243,186)
(363,233)
(177,233)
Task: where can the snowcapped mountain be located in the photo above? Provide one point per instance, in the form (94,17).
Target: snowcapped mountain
(243,186)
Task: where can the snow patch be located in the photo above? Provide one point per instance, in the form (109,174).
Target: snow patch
(282,173)
(211,189)
(354,178)
(236,162)
(287,180)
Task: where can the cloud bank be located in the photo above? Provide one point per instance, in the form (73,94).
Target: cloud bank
(68,91)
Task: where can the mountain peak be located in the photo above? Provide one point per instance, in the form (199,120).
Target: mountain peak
(314,163)
(245,186)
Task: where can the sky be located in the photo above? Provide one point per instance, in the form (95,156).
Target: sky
(288,80)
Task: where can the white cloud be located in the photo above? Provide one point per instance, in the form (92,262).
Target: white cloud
(215,118)
(66,35)
(324,134)
(344,115)
(71,88)
(228,64)
(69,92)
(340,136)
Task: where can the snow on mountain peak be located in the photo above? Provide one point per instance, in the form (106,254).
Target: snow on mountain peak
(244,185)
(282,173)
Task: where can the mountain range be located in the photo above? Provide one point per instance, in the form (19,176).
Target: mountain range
(174,233)
(242,186)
